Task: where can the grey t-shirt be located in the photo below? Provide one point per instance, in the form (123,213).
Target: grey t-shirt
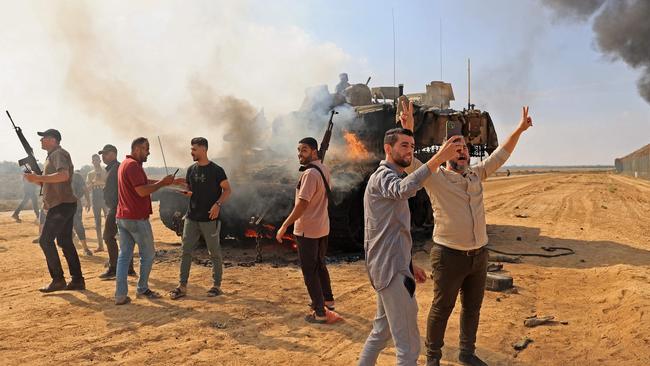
(388,222)
(55,194)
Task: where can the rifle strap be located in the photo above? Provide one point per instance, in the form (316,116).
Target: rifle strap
(327,186)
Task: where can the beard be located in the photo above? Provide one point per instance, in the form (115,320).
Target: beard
(457,167)
(304,160)
(403,161)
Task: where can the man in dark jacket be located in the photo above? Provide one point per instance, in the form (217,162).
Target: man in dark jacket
(109,157)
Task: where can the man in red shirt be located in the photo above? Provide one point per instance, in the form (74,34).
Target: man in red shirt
(133,210)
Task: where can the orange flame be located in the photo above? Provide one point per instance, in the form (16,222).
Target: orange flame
(356,150)
(268,232)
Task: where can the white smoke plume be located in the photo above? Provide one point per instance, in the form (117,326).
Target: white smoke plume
(181,70)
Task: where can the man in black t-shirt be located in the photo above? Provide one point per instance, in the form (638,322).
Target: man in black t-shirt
(208,188)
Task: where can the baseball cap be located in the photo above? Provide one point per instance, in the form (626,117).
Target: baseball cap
(50,133)
(107,148)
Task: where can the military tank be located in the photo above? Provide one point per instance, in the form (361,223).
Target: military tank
(263,197)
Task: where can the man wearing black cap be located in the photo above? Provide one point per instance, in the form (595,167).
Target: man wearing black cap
(61,205)
(109,157)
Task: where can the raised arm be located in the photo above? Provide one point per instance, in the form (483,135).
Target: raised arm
(525,123)
(501,155)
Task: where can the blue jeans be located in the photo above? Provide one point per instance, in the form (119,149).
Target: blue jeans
(130,233)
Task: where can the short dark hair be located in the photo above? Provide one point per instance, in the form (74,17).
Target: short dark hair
(391,137)
(309,141)
(137,142)
(201,141)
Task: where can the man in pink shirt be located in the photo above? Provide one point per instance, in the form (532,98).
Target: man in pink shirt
(311,226)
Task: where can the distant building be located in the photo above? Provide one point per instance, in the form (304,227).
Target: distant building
(636,164)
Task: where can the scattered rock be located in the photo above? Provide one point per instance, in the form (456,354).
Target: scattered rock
(519,238)
(603,206)
(522,216)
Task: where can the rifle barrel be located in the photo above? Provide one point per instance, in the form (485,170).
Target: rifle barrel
(11,119)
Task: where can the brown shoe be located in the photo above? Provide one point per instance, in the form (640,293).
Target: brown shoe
(55,285)
(76,285)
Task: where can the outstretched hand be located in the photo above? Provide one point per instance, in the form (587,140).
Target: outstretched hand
(406,117)
(526,121)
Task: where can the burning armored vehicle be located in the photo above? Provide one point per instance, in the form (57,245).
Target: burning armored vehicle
(263,194)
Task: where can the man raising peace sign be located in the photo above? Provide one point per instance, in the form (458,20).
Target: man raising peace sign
(459,255)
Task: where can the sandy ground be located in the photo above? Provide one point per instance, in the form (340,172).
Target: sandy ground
(603,292)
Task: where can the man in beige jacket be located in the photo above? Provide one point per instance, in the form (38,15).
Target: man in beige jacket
(459,254)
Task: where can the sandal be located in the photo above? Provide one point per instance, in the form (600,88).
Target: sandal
(214,291)
(177,293)
(312,318)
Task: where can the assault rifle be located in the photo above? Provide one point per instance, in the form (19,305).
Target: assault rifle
(325,142)
(29,163)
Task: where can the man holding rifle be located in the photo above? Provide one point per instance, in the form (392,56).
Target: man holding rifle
(459,256)
(133,210)
(61,205)
(311,226)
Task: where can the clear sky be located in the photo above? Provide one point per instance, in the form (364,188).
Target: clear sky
(76,67)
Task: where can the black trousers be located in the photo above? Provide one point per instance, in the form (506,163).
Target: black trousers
(314,271)
(110,232)
(58,226)
(454,273)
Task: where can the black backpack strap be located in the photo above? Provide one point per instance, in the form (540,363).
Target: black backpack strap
(328,190)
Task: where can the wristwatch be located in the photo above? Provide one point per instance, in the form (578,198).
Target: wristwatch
(218,203)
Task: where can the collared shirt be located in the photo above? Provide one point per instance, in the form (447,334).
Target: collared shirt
(388,222)
(110,188)
(130,204)
(314,222)
(457,202)
(55,194)
(96,179)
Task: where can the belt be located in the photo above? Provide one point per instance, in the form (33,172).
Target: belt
(467,253)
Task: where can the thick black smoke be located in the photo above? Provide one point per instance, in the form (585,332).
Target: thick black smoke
(622,30)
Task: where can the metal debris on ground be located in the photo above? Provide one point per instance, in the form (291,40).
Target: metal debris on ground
(494,267)
(504,258)
(498,282)
(219,325)
(522,344)
(534,320)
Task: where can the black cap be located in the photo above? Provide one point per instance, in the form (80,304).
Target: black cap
(50,133)
(107,148)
